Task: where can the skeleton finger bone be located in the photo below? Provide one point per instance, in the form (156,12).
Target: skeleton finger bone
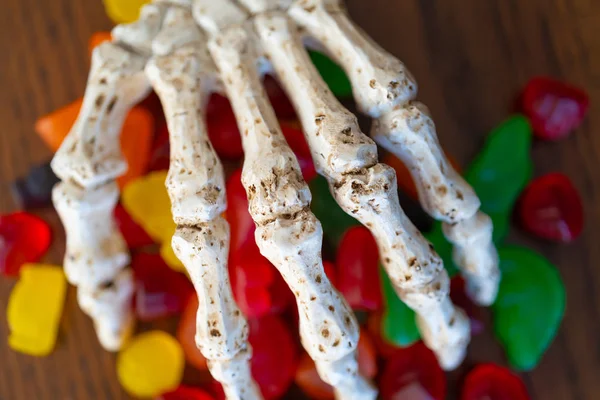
(196,188)
(287,233)
(366,190)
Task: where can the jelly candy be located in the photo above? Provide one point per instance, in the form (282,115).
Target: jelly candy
(186,334)
(459,297)
(159,291)
(278,98)
(308,379)
(297,142)
(160,151)
(241,224)
(330,271)
(124,11)
(24,238)
(529,307)
(554,108)
(252,268)
(502,169)
(332,74)
(217,104)
(97,39)
(169,257)
(274,355)
(35,308)
(551,208)
(493,382)
(384,348)
(224,134)
(154,216)
(398,323)
(134,235)
(150,364)
(334,220)
(413,373)
(35,190)
(186,393)
(357,264)
(54,127)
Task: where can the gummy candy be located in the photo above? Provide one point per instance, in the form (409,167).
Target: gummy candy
(241,224)
(186,334)
(357,264)
(529,307)
(493,382)
(398,323)
(297,142)
(134,235)
(169,257)
(186,393)
(330,271)
(275,354)
(24,238)
(54,127)
(332,74)
(35,308)
(97,39)
(160,151)
(551,208)
(124,11)
(35,190)
(415,371)
(281,103)
(150,364)
(384,348)
(554,108)
(159,291)
(459,297)
(224,134)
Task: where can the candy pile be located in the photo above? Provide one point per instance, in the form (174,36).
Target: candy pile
(526,315)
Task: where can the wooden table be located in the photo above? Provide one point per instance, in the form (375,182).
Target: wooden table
(470,57)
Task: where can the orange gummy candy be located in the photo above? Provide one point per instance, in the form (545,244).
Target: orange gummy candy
(97,39)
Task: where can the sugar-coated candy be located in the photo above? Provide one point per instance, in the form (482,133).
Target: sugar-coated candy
(35,309)
(35,189)
(332,74)
(97,39)
(398,323)
(24,238)
(529,307)
(459,297)
(150,364)
(493,382)
(554,108)
(413,373)
(551,208)
(186,393)
(186,334)
(124,11)
(274,355)
(308,379)
(159,291)
(134,235)
(357,265)
(155,215)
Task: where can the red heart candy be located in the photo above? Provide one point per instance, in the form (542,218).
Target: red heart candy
(24,238)
(134,235)
(551,208)
(554,108)
(493,382)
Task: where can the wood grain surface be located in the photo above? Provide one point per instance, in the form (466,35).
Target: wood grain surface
(470,57)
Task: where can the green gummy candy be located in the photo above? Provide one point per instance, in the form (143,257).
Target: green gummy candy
(504,167)
(529,307)
(398,324)
(332,74)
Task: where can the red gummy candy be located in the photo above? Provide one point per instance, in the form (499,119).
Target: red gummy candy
(186,335)
(160,150)
(493,382)
(224,133)
(279,100)
(24,238)
(240,222)
(330,271)
(554,108)
(357,264)
(134,235)
(413,373)
(297,142)
(159,290)
(186,393)
(459,297)
(274,355)
(384,348)
(551,208)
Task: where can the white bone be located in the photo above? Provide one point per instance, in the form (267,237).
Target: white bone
(213,16)
(366,190)
(179,29)
(379,80)
(138,35)
(409,133)
(288,233)
(476,254)
(95,257)
(91,153)
(260,6)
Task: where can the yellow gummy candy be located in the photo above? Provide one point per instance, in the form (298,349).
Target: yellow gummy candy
(147,202)
(124,11)
(151,363)
(169,257)
(35,308)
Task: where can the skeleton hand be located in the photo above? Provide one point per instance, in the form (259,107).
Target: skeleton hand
(186,49)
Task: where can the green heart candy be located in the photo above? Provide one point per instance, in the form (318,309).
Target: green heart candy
(332,74)
(398,324)
(529,307)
